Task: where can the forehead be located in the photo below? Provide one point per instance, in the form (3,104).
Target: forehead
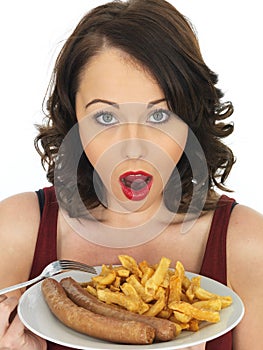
(113,76)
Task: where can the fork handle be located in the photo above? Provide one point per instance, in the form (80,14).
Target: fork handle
(21,285)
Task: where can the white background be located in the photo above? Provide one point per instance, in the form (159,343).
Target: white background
(32,32)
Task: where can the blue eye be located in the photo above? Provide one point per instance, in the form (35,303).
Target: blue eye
(106,118)
(158,116)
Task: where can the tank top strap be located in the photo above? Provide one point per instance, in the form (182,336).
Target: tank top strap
(46,245)
(214,263)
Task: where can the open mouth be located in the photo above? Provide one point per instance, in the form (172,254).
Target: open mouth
(136,185)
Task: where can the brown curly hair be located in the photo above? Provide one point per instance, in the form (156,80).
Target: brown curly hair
(163,41)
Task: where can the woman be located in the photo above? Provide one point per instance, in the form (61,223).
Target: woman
(133,150)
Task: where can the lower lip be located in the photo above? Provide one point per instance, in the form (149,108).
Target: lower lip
(136,195)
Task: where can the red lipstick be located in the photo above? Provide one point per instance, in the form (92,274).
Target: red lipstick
(136,184)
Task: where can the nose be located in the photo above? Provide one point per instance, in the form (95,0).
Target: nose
(134,144)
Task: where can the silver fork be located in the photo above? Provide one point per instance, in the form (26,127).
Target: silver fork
(50,270)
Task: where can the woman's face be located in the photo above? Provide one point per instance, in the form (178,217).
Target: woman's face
(128,134)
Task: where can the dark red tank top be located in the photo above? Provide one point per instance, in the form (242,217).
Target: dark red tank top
(213,265)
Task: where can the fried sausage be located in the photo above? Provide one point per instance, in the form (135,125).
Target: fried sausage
(165,329)
(94,325)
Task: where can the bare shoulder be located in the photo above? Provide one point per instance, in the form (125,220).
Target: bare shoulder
(21,210)
(245,233)
(245,240)
(245,272)
(19,222)
(243,216)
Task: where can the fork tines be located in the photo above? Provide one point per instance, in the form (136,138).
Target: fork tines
(70,264)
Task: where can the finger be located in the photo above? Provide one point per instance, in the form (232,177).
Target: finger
(14,334)
(21,338)
(17,328)
(2,298)
(7,305)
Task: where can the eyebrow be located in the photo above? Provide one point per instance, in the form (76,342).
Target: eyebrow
(116,105)
(99,100)
(155,102)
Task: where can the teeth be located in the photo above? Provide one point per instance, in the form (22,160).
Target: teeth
(148,180)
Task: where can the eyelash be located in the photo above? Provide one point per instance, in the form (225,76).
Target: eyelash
(158,110)
(100,114)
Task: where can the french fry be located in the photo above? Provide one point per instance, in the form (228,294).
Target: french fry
(178,329)
(117,283)
(186,283)
(144,266)
(183,326)
(139,288)
(147,274)
(225,301)
(165,313)
(91,290)
(194,284)
(203,294)
(199,314)
(104,280)
(176,283)
(158,306)
(130,264)
(175,288)
(166,281)
(193,325)
(118,298)
(122,272)
(211,304)
(182,317)
(180,270)
(157,278)
(131,292)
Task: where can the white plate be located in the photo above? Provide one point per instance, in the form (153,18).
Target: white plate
(36,316)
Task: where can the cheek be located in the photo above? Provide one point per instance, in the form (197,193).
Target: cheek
(93,152)
(104,157)
(95,144)
(170,151)
(174,151)
(173,139)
